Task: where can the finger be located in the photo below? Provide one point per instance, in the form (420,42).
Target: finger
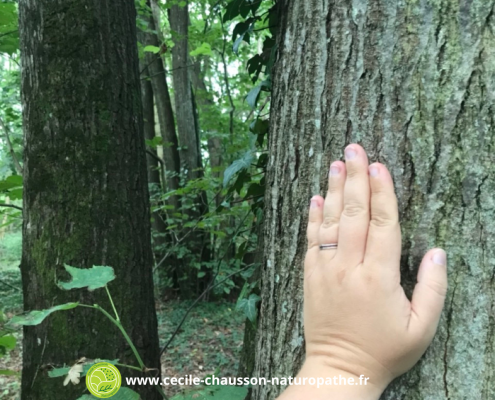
(314,222)
(383,245)
(333,206)
(429,294)
(354,222)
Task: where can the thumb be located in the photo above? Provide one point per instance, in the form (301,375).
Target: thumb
(430,291)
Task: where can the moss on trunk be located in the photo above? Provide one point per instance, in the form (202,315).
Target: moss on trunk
(85,186)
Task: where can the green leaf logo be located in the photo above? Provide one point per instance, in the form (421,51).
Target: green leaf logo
(103,380)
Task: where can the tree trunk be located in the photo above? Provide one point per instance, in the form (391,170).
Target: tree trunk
(184,103)
(414,83)
(85,187)
(155,167)
(190,153)
(157,75)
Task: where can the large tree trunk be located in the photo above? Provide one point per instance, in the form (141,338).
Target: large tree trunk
(414,83)
(85,187)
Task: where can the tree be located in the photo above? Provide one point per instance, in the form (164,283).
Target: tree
(413,83)
(85,186)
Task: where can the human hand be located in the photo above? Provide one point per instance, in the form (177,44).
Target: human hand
(357,318)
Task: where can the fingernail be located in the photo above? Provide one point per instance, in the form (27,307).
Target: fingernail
(350,153)
(314,203)
(334,170)
(440,257)
(374,171)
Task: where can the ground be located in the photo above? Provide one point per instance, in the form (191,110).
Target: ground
(209,342)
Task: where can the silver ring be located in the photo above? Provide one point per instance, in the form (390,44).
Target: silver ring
(329,246)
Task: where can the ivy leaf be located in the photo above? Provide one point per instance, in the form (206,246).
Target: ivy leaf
(92,278)
(236,166)
(124,393)
(248,306)
(36,317)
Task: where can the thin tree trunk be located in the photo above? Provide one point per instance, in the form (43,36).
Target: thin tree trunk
(206,105)
(184,103)
(190,154)
(159,231)
(157,75)
(85,187)
(414,83)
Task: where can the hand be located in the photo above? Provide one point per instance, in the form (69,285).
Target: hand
(358,320)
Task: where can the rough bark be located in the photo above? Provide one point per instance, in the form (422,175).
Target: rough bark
(85,187)
(414,83)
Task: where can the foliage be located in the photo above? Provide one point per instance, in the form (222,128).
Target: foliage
(9,36)
(93,278)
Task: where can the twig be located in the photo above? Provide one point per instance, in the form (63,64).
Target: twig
(7,33)
(209,288)
(227,83)
(11,148)
(12,286)
(210,285)
(10,206)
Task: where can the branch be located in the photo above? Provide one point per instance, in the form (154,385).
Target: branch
(18,166)
(10,206)
(7,33)
(12,286)
(196,302)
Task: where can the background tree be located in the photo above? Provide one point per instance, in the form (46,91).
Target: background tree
(413,83)
(85,186)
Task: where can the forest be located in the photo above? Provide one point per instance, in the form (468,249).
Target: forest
(157,163)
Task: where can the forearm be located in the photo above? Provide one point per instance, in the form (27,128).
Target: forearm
(338,384)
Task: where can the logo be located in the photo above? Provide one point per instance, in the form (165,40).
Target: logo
(103,380)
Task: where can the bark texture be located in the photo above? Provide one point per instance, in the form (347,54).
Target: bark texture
(414,83)
(85,187)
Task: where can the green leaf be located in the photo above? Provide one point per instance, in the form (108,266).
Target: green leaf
(8,372)
(253,96)
(13,181)
(249,306)
(236,166)
(58,372)
(92,278)
(151,49)
(36,317)
(201,274)
(8,342)
(124,393)
(204,49)
(232,10)
(214,393)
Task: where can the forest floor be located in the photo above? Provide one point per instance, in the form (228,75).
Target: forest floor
(209,342)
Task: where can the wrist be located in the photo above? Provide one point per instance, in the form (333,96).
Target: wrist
(319,379)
